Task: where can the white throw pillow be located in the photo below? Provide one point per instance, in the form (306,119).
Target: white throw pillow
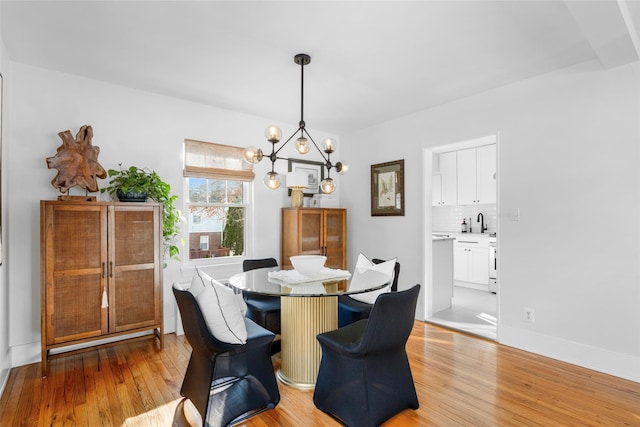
(201,279)
(220,307)
(365,273)
(199,282)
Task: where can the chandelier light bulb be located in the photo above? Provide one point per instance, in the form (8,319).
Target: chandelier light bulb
(329,145)
(252,154)
(342,168)
(302,145)
(273,134)
(272,180)
(327,186)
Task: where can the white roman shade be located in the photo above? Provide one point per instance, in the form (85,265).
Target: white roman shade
(217,161)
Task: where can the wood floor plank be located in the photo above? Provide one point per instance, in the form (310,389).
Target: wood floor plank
(460,380)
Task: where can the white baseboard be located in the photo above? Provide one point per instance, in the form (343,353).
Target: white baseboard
(617,364)
(4,377)
(25,354)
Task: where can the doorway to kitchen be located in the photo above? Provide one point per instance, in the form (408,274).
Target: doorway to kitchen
(464,225)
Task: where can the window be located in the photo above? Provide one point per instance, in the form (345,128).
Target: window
(218,187)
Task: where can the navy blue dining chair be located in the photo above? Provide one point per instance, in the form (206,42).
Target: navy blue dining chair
(364,377)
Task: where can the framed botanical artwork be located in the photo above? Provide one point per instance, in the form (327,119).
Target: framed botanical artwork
(387,189)
(314,172)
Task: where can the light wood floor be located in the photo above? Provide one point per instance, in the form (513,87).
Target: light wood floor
(461,381)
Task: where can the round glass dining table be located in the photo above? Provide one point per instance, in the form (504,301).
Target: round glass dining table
(308,308)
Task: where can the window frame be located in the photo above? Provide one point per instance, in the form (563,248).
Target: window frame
(247,203)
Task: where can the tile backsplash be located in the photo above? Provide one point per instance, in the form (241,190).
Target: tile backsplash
(449,218)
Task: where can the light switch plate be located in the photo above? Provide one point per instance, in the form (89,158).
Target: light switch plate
(515,214)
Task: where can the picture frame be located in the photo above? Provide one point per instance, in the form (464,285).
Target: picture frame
(315,172)
(387,189)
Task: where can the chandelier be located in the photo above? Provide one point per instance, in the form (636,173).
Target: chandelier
(274,135)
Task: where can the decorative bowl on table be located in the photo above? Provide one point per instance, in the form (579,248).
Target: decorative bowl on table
(308,265)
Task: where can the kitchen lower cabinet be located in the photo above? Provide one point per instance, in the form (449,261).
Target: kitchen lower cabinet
(311,231)
(100,273)
(471,263)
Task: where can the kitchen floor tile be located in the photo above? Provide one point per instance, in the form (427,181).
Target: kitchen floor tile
(471,311)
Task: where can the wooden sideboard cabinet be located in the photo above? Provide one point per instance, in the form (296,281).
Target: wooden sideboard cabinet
(100,273)
(311,231)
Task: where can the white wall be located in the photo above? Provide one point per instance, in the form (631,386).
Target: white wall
(568,159)
(130,127)
(5,355)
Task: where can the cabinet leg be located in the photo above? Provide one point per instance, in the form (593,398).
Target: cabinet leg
(160,336)
(45,362)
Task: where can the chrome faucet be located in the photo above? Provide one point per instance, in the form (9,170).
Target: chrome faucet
(480,219)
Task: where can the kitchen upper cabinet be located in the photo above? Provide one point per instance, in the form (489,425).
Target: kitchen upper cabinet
(444,182)
(476,175)
(486,184)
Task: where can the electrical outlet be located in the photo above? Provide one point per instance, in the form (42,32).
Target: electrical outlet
(529,315)
(515,214)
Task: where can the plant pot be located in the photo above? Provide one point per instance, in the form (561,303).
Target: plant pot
(132,196)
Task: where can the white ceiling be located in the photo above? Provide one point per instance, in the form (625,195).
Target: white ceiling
(372,61)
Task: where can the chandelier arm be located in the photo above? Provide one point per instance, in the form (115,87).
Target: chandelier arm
(288,139)
(326,159)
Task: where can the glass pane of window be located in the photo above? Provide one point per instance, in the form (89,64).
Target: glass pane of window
(217,191)
(234,192)
(215,228)
(197,189)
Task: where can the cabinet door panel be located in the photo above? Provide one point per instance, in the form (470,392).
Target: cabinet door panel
(76,310)
(76,252)
(460,264)
(134,237)
(448,170)
(311,232)
(479,265)
(486,174)
(134,288)
(134,279)
(335,234)
(466,176)
(75,236)
(436,189)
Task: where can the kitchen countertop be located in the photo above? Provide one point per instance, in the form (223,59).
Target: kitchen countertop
(458,234)
(436,235)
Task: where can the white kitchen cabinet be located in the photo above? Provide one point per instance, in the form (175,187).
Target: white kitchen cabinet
(471,261)
(476,175)
(436,189)
(486,174)
(444,182)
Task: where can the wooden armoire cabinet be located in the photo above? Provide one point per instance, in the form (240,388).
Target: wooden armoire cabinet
(100,273)
(315,231)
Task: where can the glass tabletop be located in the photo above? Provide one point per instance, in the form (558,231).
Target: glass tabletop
(259,282)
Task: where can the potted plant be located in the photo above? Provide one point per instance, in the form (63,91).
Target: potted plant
(138,184)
